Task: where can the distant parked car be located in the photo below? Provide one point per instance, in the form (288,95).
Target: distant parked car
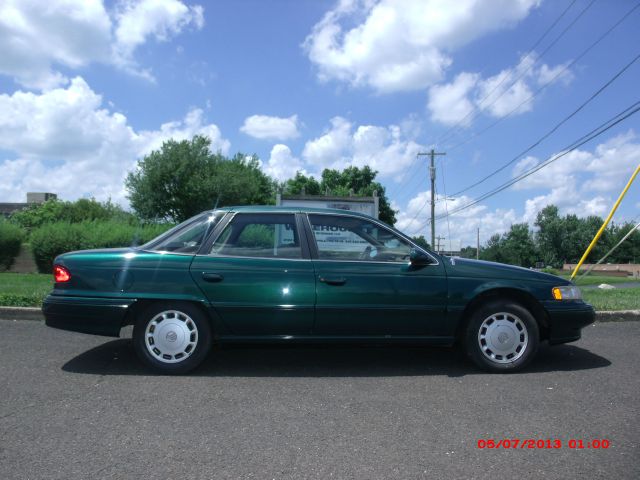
(278,274)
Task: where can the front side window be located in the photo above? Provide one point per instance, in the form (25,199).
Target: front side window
(259,235)
(351,238)
(186,237)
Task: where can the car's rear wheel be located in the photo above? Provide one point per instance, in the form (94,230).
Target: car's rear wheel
(172,338)
(502,336)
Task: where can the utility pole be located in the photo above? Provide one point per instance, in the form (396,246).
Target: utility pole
(478,245)
(439,238)
(432,173)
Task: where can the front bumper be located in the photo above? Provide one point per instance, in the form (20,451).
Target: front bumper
(98,316)
(567,319)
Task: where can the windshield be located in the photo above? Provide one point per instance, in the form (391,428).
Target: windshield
(186,237)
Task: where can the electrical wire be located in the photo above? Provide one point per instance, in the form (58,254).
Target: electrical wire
(555,128)
(479,105)
(530,52)
(546,84)
(596,132)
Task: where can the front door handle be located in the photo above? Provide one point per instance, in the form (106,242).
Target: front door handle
(212,277)
(333,280)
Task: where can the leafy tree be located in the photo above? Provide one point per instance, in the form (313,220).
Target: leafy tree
(468,252)
(422,242)
(359,181)
(301,183)
(54,210)
(550,236)
(184,178)
(494,251)
(518,245)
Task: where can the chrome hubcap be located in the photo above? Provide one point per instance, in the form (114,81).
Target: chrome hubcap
(171,336)
(503,337)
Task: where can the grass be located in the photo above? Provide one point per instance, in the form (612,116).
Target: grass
(621,299)
(29,289)
(24,289)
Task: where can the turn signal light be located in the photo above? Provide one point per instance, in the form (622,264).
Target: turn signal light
(61,274)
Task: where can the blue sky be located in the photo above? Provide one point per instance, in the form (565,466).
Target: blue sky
(87,88)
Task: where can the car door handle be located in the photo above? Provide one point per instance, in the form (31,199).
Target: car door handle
(334,280)
(212,277)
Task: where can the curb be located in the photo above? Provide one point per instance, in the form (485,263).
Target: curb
(34,313)
(21,313)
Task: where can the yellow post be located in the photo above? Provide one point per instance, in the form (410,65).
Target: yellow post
(606,222)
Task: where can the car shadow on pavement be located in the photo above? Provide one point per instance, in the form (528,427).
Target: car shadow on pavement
(117,357)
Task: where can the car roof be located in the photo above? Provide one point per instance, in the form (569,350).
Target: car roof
(289,209)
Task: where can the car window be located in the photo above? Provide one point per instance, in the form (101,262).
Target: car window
(351,238)
(188,236)
(259,235)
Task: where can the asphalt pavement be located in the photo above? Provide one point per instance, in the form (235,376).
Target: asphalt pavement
(75,406)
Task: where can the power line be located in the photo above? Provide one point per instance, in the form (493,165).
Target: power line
(596,132)
(553,130)
(545,136)
(477,107)
(546,84)
(530,52)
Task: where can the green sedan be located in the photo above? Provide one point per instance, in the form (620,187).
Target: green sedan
(277,274)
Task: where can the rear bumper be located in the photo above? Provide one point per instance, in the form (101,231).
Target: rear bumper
(567,319)
(98,316)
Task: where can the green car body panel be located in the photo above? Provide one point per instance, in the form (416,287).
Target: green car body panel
(302,299)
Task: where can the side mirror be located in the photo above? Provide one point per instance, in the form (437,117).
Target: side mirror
(416,257)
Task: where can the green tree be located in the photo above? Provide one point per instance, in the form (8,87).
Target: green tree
(494,250)
(54,210)
(468,252)
(184,178)
(351,180)
(518,246)
(301,183)
(420,240)
(550,236)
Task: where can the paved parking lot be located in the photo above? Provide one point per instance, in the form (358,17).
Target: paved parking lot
(76,406)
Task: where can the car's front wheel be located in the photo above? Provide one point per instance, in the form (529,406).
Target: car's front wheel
(172,338)
(502,336)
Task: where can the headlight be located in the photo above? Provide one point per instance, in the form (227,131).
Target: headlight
(566,292)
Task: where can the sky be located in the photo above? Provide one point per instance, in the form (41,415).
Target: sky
(88,88)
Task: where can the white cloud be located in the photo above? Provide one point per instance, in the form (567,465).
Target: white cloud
(498,96)
(36,39)
(581,182)
(157,19)
(389,150)
(273,128)
(65,141)
(401,45)
(462,227)
(449,103)
(282,164)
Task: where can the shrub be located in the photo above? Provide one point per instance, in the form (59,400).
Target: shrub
(53,239)
(82,210)
(11,237)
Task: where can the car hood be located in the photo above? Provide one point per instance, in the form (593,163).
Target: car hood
(465,267)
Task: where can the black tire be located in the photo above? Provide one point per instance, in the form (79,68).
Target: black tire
(176,346)
(502,336)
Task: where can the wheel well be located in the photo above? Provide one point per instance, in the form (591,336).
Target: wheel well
(140,305)
(523,298)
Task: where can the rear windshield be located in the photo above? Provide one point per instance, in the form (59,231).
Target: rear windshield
(186,237)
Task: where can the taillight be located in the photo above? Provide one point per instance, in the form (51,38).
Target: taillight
(61,274)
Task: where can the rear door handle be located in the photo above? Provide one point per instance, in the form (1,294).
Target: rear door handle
(212,277)
(333,281)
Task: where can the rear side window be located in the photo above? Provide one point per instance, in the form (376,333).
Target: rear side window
(188,236)
(259,235)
